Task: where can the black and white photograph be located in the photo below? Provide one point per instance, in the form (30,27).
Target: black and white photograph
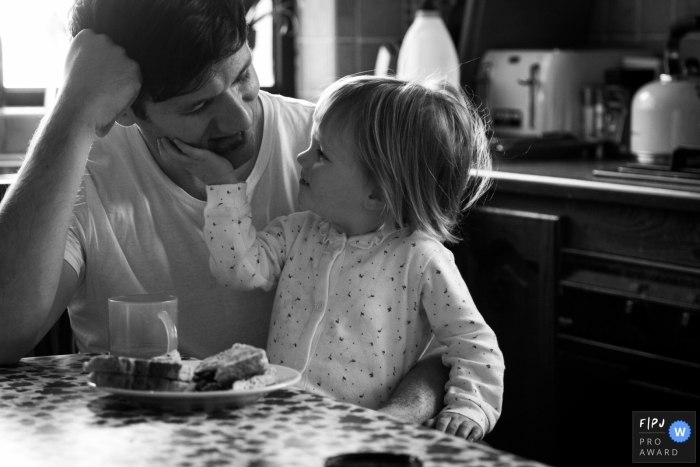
(349,233)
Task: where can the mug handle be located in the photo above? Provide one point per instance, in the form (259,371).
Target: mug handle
(170,330)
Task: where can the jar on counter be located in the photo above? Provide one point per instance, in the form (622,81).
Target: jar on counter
(592,114)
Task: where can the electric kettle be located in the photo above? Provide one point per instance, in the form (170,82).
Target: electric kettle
(666,113)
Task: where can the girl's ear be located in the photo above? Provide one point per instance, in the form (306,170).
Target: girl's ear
(126,118)
(373,202)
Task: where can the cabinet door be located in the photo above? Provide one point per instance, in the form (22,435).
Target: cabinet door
(507,259)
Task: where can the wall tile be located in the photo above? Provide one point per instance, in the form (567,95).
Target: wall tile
(599,20)
(690,44)
(655,16)
(622,17)
(317,18)
(346,17)
(316,65)
(690,47)
(687,7)
(346,57)
(340,37)
(379,18)
(655,44)
(642,23)
(367,58)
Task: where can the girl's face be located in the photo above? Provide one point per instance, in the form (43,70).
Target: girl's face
(332,184)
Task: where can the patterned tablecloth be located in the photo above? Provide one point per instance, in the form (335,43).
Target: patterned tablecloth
(49,416)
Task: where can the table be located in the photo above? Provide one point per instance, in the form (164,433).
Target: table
(50,416)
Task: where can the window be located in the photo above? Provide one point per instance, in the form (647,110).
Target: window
(260,40)
(34,45)
(273,24)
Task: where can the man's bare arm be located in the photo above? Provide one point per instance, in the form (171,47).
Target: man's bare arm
(420,394)
(100,82)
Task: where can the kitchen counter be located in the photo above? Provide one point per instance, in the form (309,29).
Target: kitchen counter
(575,179)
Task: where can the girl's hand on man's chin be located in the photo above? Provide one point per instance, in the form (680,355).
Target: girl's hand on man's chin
(208,167)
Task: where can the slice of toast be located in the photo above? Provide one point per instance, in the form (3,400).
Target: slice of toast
(255,382)
(239,362)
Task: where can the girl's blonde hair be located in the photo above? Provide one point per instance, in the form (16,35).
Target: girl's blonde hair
(422,145)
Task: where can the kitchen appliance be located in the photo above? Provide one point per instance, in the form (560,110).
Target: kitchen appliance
(666,112)
(527,25)
(533,93)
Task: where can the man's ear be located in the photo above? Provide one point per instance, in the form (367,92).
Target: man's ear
(373,202)
(127,117)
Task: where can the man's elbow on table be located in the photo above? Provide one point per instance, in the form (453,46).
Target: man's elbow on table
(19,331)
(12,349)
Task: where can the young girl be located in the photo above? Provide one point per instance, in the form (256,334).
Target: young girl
(363,281)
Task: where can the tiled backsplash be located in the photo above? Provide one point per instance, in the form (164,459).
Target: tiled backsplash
(643,23)
(340,37)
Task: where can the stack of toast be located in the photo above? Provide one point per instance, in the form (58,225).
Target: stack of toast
(242,367)
(165,373)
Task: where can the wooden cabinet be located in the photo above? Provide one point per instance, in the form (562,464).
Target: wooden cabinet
(508,261)
(602,280)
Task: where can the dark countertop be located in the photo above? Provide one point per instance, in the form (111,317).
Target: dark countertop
(574,178)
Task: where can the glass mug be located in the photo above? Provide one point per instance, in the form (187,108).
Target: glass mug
(142,326)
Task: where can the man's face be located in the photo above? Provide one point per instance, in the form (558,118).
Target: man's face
(220,116)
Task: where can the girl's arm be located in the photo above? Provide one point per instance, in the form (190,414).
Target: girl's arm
(475,386)
(242,258)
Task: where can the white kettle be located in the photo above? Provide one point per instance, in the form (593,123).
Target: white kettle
(666,113)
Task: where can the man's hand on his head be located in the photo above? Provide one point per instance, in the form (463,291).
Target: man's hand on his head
(100,80)
(208,167)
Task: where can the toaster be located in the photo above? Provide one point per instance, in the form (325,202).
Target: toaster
(529,93)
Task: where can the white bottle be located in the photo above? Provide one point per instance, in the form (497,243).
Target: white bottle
(428,49)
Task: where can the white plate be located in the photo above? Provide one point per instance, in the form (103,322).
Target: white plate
(207,400)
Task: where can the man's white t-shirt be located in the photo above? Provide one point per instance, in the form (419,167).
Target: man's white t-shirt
(134,231)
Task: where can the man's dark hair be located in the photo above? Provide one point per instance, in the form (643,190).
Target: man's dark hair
(175,42)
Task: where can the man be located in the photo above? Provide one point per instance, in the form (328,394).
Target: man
(160,69)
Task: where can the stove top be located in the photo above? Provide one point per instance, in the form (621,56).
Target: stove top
(682,168)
